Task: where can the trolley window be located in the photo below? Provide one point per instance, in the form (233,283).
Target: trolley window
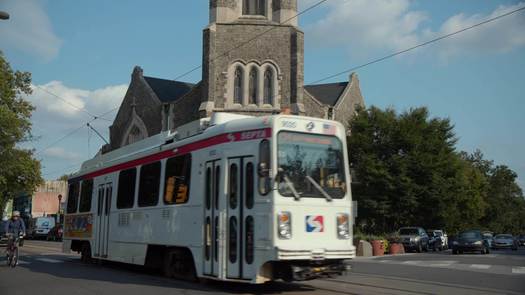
(72,199)
(249,185)
(149,184)
(233,186)
(86,193)
(310,165)
(177,180)
(126,188)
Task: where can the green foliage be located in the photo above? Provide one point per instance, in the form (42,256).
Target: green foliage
(409,173)
(19,171)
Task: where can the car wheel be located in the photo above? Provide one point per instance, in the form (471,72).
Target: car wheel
(487,251)
(419,248)
(455,252)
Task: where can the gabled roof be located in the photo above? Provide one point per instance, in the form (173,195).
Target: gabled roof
(327,93)
(168,90)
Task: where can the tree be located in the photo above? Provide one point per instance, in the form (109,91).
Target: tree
(19,170)
(409,172)
(505,212)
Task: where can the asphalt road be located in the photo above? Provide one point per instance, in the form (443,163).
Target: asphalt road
(44,270)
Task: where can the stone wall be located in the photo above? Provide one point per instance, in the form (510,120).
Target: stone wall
(345,108)
(313,107)
(147,106)
(283,46)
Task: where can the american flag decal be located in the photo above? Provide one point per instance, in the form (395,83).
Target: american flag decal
(328,129)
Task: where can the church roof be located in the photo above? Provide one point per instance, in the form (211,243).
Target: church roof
(327,93)
(168,90)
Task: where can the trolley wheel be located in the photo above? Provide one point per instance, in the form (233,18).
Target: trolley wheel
(178,264)
(85,253)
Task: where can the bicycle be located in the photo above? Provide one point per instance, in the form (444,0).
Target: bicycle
(12,249)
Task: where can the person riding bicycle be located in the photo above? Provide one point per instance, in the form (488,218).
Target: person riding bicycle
(15,227)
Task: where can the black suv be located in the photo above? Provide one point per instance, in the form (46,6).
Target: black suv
(414,238)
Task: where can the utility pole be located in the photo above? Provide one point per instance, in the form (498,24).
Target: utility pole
(4,15)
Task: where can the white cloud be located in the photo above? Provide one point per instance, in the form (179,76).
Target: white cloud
(62,154)
(96,102)
(366,27)
(29,29)
(500,36)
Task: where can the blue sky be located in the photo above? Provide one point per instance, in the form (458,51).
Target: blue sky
(84,51)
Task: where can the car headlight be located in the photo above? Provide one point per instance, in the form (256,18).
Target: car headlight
(455,243)
(284,225)
(478,243)
(343,226)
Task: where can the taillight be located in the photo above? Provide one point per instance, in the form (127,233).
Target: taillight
(343,226)
(284,225)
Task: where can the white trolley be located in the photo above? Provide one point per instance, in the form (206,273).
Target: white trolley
(231,197)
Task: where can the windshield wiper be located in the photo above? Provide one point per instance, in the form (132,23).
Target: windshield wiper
(318,187)
(290,185)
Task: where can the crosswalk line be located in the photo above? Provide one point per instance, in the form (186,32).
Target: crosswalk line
(480,266)
(518,270)
(49,260)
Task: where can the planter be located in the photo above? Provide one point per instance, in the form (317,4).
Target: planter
(397,248)
(378,248)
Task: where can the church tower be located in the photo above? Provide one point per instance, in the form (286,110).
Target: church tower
(252,58)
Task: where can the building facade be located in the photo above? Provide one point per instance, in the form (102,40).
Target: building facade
(252,63)
(44,201)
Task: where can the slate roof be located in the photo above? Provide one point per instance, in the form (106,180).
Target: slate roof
(168,90)
(327,93)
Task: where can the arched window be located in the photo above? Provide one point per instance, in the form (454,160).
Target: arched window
(135,135)
(252,97)
(254,7)
(237,86)
(268,87)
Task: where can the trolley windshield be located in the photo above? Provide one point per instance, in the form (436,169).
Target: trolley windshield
(310,166)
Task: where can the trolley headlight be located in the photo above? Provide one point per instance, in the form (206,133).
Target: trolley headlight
(343,226)
(284,225)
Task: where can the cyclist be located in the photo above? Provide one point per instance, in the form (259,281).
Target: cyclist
(14,228)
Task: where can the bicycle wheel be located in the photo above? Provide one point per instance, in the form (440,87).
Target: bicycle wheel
(14,259)
(9,257)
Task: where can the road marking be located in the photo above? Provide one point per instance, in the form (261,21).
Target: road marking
(480,266)
(412,262)
(440,264)
(49,260)
(518,270)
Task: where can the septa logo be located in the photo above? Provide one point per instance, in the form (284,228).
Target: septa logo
(314,224)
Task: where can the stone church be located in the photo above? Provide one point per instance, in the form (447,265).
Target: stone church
(252,63)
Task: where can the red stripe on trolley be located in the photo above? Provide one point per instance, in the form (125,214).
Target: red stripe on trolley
(191,147)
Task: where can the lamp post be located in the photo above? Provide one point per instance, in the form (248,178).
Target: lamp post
(59,205)
(4,15)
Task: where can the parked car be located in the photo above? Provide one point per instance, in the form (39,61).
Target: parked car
(55,234)
(521,240)
(505,241)
(470,241)
(41,226)
(3,240)
(414,238)
(442,235)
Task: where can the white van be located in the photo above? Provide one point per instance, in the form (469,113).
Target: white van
(42,226)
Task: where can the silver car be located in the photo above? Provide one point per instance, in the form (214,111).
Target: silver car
(505,241)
